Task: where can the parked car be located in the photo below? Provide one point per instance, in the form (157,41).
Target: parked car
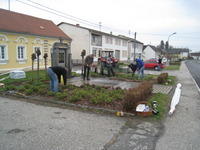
(153,64)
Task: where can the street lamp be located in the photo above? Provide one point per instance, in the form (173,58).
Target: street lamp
(170,36)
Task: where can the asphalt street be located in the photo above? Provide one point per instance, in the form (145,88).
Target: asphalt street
(194,68)
(27,126)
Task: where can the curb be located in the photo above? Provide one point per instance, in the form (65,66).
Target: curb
(83,107)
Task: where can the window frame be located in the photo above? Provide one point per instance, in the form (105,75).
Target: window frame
(24,53)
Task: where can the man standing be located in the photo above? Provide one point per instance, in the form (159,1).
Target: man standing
(140,67)
(87,65)
(55,74)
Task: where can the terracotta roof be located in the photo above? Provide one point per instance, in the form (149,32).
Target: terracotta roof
(20,23)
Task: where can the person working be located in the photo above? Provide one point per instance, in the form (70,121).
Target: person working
(55,74)
(87,65)
(140,67)
(109,64)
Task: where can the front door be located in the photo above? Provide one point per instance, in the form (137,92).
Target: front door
(62,57)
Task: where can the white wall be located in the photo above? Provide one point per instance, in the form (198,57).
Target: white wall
(80,39)
(184,54)
(113,47)
(138,50)
(149,53)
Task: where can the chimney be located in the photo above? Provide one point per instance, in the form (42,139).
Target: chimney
(77,25)
(111,32)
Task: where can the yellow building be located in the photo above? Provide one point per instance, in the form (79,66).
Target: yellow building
(21,35)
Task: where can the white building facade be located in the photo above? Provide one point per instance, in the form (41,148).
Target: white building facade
(100,43)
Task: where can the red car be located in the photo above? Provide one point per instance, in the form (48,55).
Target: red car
(153,64)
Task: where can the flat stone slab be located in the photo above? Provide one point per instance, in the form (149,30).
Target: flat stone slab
(78,81)
(106,82)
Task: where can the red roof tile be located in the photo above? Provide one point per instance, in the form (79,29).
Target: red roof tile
(19,23)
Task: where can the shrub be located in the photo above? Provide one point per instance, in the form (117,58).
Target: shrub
(135,95)
(162,78)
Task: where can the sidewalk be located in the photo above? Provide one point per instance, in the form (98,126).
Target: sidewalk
(183,127)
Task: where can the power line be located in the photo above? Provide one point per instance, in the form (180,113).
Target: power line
(62,14)
(70,17)
(53,13)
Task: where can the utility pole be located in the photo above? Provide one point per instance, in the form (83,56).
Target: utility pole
(134,45)
(100,26)
(8,4)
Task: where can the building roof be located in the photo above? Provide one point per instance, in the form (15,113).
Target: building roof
(177,50)
(25,24)
(100,32)
(156,49)
(195,54)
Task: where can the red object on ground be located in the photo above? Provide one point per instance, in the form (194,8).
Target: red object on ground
(153,64)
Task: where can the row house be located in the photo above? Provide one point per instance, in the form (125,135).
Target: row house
(22,35)
(100,43)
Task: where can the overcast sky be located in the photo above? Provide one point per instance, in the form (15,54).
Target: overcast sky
(153,20)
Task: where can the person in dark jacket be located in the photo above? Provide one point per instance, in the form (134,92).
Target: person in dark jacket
(87,65)
(55,74)
(109,65)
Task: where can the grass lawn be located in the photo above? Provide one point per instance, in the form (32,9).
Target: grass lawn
(172,67)
(163,101)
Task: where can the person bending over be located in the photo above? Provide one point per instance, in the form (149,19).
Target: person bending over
(55,74)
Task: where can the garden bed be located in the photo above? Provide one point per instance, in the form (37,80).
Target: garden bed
(88,95)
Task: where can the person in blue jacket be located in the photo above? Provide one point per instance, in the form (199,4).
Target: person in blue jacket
(140,67)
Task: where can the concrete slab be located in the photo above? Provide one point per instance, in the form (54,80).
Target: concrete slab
(78,81)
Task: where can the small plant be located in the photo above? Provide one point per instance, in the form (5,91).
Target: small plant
(162,78)
(10,87)
(50,93)
(60,95)
(21,88)
(74,98)
(29,91)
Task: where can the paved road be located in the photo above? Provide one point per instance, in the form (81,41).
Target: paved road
(26,126)
(194,68)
